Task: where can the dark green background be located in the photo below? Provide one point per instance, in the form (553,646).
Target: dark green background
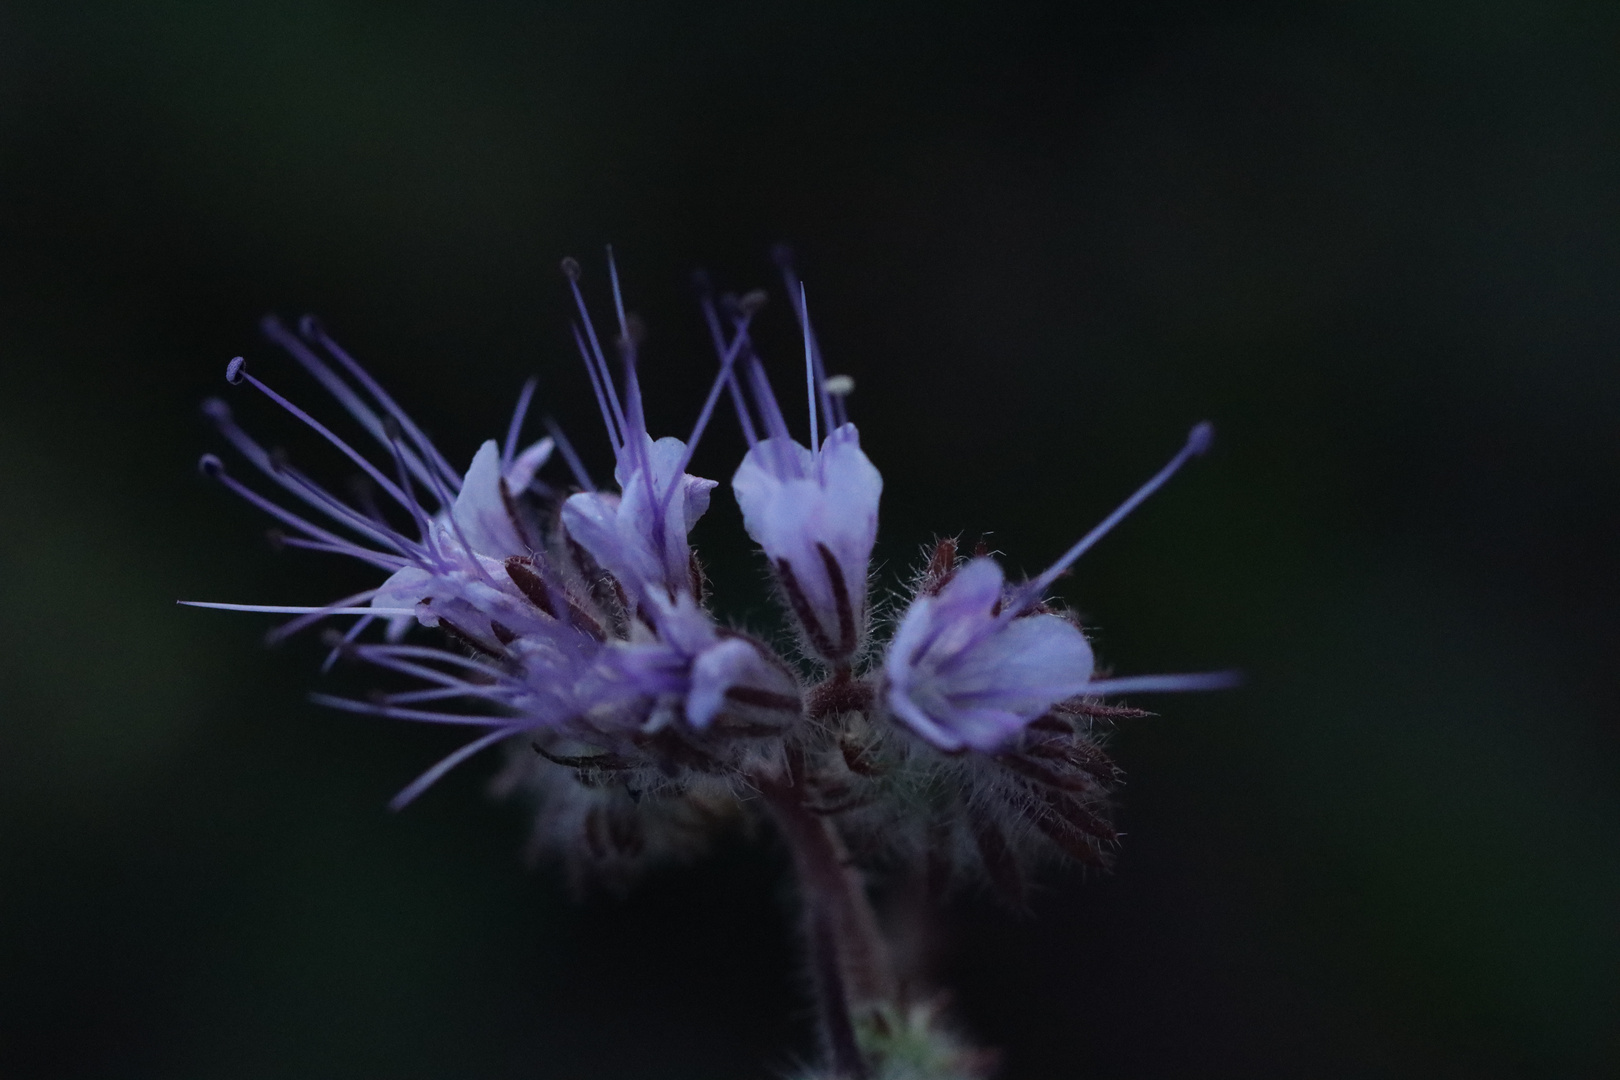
(1377,243)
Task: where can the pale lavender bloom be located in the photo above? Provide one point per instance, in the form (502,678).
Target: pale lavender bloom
(476,536)
(973,663)
(959,677)
(699,670)
(638,534)
(469,566)
(813,509)
(548,652)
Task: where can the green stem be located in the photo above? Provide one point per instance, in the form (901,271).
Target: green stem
(847,953)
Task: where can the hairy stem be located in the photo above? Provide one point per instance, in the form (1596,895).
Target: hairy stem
(847,953)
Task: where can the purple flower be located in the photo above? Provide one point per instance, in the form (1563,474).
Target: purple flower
(960,677)
(974,663)
(814,510)
(530,641)
(639,534)
(572,626)
(579,622)
(537,643)
(700,671)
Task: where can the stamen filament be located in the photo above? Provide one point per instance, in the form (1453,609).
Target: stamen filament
(812,389)
(727,359)
(431,777)
(334,385)
(326,433)
(373,387)
(575,466)
(1164,684)
(371,708)
(509,449)
(615,439)
(801,311)
(601,360)
(345,641)
(283,609)
(1198,441)
(287,629)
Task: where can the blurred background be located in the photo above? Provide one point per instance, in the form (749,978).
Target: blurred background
(1377,243)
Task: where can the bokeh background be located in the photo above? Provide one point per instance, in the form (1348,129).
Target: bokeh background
(1377,243)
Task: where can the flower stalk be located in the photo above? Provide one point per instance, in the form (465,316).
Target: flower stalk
(848,956)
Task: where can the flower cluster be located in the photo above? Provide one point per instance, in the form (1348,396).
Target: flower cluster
(573,624)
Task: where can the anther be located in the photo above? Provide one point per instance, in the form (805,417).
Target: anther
(636,328)
(751,301)
(235,370)
(391,428)
(309,327)
(279,459)
(217,411)
(782,256)
(277,538)
(1200,438)
(210,466)
(570,268)
(838,385)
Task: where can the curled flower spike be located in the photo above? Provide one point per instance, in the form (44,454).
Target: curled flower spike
(971,665)
(572,629)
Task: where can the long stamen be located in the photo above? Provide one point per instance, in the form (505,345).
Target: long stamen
(237,371)
(637,442)
(801,310)
(334,384)
(212,467)
(738,402)
(285,609)
(372,708)
(615,439)
(381,560)
(636,436)
(344,514)
(571,271)
(812,389)
(345,641)
(424,524)
(291,627)
(618,297)
(509,450)
(1198,441)
(632,384)
(294,482)
(727,360)
(372,653)
(1164,684)
(313,329)
(400,658)
(423,672)
(575,466)
(433,775)
(447,693)
(771,413)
